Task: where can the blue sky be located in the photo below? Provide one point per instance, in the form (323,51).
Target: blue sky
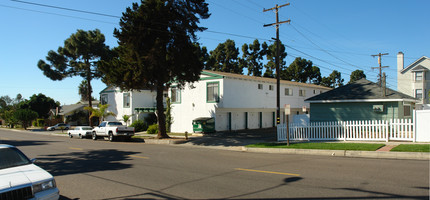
(334,34)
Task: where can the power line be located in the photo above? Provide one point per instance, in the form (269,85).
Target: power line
(69,9)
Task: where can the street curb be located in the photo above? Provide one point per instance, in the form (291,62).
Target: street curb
(344,153)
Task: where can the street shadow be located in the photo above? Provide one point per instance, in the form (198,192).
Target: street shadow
(235,138)
(84,162)
(24,143)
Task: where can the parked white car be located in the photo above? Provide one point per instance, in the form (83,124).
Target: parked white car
(21,179)
(81,132)
(59,126)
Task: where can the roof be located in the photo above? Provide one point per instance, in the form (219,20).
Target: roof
(360,91)
(70,108)
(412,65)
(261,79)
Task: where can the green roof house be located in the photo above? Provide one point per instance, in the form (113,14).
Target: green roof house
(360,100)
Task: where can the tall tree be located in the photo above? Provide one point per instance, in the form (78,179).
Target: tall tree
(301,70)
(225,58)
(80,56)
(252,55)
(157,47)
(25,116)
(39,103)
(334,80)
(271,59)
(356,75)
(83,91)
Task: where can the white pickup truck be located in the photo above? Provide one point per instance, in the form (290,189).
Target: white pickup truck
(112,130)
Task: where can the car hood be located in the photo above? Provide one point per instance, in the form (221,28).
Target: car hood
(22,175)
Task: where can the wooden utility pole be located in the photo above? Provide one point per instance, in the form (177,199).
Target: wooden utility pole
(278,82)
(380,67)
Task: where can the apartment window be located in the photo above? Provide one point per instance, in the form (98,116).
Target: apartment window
(104,99)
(315,91)
(270,87)
(418,76)
(176,95)
(260,86)
(212,92)
(288,92)
(126,100)
(419,93)
(302,93)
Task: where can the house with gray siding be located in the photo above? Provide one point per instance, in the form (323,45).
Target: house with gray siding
(361,100)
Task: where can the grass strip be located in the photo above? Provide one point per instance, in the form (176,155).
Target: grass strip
(412,148)
(326,146)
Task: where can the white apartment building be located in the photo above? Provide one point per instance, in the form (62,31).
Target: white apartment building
(237,101)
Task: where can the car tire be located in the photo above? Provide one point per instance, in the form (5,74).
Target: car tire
(111,138)
(80,136)
(94,136)
(70,135)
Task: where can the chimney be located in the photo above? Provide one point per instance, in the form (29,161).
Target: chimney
(400,61)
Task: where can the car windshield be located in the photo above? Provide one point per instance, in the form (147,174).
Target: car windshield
(12,157)
(87,128)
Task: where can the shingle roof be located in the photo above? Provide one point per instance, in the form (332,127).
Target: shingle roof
(264,79)
(360,90)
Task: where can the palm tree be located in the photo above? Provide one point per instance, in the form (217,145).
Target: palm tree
(126,118)
(100,112)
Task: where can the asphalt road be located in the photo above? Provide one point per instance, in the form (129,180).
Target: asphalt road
(86,169)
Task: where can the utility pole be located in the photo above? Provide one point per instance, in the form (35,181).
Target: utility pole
(278,82)
(380,67)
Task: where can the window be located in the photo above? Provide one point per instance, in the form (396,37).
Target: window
(288,92)
(302,93)
(260,86)
(126,100)
(407,110)
(418,76)
(419,93)
(315,91)
(270,87)
(212,92)
(104,99)
(176,95)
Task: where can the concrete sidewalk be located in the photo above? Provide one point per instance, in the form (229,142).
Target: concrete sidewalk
(237,141)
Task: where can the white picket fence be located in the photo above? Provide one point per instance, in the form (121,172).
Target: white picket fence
(377,130)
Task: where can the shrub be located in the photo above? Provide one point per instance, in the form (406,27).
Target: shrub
(139,125)
(153,129)
(40,122)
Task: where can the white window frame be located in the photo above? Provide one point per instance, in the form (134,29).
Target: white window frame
(419,77)
(260,86)
(302,93)
(176,95)
(126,100)
(271,87)
(419,93)
(288,92)
(104,99)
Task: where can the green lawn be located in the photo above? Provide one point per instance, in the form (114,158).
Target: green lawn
(327,146)
(412,148)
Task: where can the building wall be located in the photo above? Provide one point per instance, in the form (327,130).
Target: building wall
(406,82)
(242,105)
(138,99)
(356,111)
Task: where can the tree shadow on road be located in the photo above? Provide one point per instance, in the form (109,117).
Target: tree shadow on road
(84,162)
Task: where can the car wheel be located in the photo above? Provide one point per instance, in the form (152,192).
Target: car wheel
(110,137)
(94,136)
(70,135)
(80,136)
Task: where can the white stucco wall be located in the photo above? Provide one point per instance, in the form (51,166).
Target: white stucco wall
(237,97)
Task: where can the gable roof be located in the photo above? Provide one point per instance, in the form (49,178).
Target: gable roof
(360,91)
(217,74)
(414,65)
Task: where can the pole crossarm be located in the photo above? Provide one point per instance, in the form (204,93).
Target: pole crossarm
(277,23)
(276,7)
